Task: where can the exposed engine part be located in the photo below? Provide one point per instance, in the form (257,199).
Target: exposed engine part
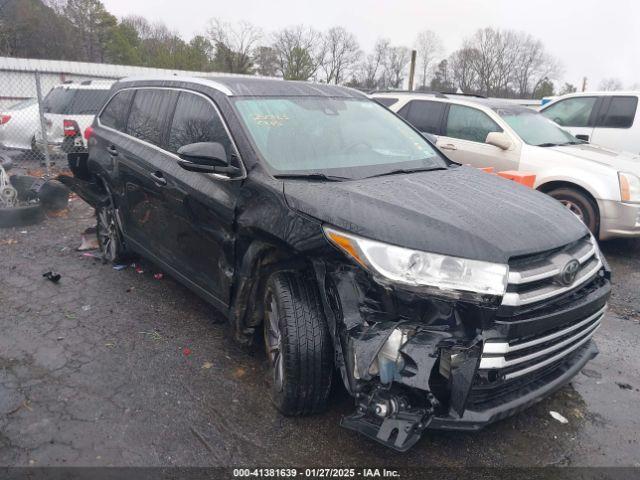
(8,194)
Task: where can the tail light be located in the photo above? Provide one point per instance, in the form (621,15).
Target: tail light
(71,128)
(88,133)
(4,119)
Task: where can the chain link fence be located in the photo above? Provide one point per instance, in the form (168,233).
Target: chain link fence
(42,120)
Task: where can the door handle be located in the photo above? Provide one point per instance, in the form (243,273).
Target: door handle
(583,137)
(448,146)
(158,178)
(113,151)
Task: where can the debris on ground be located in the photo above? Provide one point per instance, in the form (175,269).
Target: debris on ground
(239,372)
(158,276)
(91,255)
(624,386)
(138,268)
(89,240)
(120,267)
(52,276)
(153,335)
(558,417)
(86,308)
(9,241)
(186,351)
(207,365)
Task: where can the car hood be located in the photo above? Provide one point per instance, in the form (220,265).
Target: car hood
(621,161)
(460,211)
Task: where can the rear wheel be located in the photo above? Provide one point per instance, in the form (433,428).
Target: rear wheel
(298,345)
(580,205)
(109,235)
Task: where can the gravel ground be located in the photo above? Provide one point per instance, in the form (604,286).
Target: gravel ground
(120,368)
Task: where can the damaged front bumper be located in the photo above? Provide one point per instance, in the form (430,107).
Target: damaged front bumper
(415,362)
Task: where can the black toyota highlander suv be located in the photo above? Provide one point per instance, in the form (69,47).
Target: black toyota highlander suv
(325,226)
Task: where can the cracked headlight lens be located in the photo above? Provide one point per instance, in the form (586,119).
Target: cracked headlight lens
(422,269)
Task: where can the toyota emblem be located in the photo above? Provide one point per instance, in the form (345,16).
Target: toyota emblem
(569,272)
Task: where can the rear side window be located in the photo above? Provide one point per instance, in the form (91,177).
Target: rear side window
(468,123)
(426,116)
(87,102)
(387,102)
(572,112)
(620,113)
(57,100)
(196,120)
(149,112)
(115,114)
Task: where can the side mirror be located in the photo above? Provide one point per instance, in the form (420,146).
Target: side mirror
(499,139)
(205,157)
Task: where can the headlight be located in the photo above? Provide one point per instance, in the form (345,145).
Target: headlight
(421,269)
(629,187)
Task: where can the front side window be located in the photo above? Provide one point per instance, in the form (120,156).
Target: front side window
(468,123)
(424,115)
(620,114)
(572,112)
(148,114)
(196,120)
(534,129)
(350,138)
(115,114)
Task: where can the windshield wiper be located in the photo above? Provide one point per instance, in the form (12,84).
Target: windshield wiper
(547,145)
(312,176)
(407,170)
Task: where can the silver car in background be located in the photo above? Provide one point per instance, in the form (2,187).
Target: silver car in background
(600,186)
(18,125)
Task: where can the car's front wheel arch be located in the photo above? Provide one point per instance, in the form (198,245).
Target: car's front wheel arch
(564,191)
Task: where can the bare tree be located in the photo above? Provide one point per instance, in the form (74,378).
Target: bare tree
(265,60)
(428,47)
(532,66)
(463,75)
(373,65)
(299,52)
(234,44)
(610,84)
(340,52)
(395,65)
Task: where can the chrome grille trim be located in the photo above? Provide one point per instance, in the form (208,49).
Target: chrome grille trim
(586,252)
(494,353)
(502,348)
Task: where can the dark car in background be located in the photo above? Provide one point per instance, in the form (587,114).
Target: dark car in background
(326,226)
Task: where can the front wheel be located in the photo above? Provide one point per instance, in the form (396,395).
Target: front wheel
(109,235)
(298,345)
(580,205)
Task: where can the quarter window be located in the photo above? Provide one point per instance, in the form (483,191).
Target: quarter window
(149,112)
(115,114)
(620,114)
(470,124)
(424,115)
(386,101)
(196,120)
(572,112)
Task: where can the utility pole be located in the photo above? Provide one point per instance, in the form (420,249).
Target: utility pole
(412,69)
(584,84)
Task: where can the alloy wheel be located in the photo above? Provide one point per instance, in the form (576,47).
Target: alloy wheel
(273,341)
(574,208)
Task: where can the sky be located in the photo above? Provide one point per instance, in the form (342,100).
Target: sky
(593,39)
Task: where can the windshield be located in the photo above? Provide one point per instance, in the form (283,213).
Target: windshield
(347,138)
(535,129)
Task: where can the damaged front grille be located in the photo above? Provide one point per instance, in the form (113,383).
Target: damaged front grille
(517,357)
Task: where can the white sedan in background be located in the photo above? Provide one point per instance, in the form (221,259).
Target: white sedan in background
(600,186)
(18,125)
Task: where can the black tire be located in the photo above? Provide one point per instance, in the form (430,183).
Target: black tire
(21,216)
(54,195)
(296,333)
(580,205)
(110,238)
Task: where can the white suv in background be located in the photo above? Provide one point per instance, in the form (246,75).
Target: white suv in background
(68,110)
(600,186)
(608,119)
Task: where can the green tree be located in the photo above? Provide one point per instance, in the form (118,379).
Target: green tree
(94,26)
(545,89)
(568,88)
(441,81)
(123,46)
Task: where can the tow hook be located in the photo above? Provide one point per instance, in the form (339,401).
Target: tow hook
(390,419)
